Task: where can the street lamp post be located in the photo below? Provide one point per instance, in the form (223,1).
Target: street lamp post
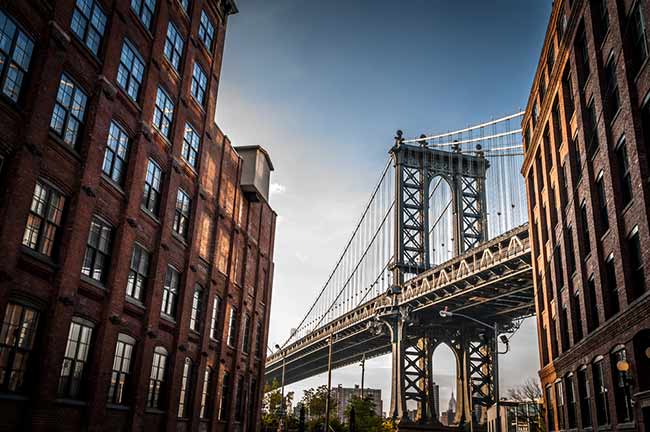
(329,385)
(363,372)
(282,404)
(495,367)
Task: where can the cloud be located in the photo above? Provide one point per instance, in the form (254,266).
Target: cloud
(277,189)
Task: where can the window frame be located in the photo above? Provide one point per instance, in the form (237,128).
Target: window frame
(142,6)
(204,31)
(152,188)
(207,393)
(120,383)
(191,148)
(121,143)
(106,254)
(182,214)
(175,54)
(199,84)
(77,359)
(196,313)
(171,291)
(185,392)
(18,344)
(231,339)
(214,321)
(157,378)
(133,72)
(44,243)
(136,290)
(90,25)
(67,112)
(161,122)
(6,67)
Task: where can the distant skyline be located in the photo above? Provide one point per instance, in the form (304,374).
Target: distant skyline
(324,85)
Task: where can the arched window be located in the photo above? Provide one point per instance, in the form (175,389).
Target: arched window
(197,308)
(75,357)
(117,391)
(622,381)
(186,389)
(16,344)
(157,377)
(206,394)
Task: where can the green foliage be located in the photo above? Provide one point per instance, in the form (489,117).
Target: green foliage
(366,418)
(315,401)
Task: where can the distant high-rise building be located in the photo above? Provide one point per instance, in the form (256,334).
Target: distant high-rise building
(343,396)
(436,398)
(447,418)
(587,163)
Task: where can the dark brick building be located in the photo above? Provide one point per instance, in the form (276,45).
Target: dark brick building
(136,244)
(587,165)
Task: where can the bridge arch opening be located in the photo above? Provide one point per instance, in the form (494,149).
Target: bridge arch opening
(445,365)
(441,220)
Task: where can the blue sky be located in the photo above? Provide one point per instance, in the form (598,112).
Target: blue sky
(323,85)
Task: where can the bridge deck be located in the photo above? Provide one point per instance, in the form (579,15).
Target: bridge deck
(492,281)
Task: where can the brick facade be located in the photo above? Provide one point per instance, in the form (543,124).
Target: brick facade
(587,143)
(220,245)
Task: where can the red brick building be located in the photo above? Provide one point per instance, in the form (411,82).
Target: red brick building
(587,164)
(136,244)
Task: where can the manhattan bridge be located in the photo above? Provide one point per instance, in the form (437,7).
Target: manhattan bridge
(441,248)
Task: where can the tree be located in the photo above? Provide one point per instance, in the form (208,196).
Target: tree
(315,401)
(530,393)
(366,418)
(272,405)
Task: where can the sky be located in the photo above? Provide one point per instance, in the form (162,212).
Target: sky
(324,85)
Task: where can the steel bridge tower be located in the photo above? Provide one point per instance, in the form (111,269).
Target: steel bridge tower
(412,344)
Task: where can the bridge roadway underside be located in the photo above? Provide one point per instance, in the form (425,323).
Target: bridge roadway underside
(492,282)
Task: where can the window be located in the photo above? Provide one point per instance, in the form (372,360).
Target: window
(550,58)
(216,307)
(602,18)
(612,306)
(163,113)
(544,340)
(69,110)
(223,250)
(151,196)
(44,220)
(535,114)
(584,220)
(182,213)
(157,377)
(206,236)
(592,317)
(591,131)
(206,394)
(636,263)
(120,377)
(199,84)
(583,391)
(197,308)
(16,344)
(542,88)
(206,31)
(115,156)
(576,317)
(144,9)
(130,71)
(74,360)
(98,249)
(550,403)
(638,41)
(570,253)
(600,393)
(567,91)
(15,55)
(564,327)
(232,328)
(174,46)
(186,389)
(138,273)
(622,386)
(246,340)
(611,88)
(258,340)
(225,397)
(602,203)
(88,23)
(623,173)
(240,398)
(564,185)
(170,292)
(570,401)
(582,55)
(190,148)
(559,397)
